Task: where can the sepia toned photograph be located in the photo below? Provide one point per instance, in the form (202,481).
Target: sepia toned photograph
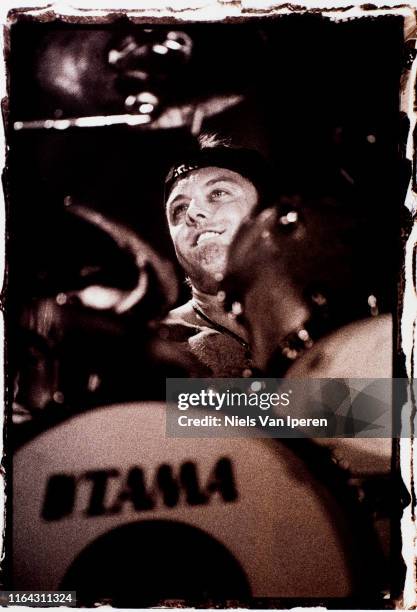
(196,208)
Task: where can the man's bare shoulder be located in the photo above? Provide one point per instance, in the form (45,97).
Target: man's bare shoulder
(183,314)
(180,324)
(216,354)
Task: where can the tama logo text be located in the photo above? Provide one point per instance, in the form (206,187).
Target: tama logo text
(108,491)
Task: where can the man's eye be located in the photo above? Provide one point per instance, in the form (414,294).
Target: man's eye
(219,194)
(178,212)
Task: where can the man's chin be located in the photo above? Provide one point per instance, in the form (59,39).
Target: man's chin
(207,277)
(207,268)
(212,256)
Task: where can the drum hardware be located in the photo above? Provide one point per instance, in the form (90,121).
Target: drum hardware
(171,118)
(301,340)
(289,218)
(296,343)
(146,59)
(373,306)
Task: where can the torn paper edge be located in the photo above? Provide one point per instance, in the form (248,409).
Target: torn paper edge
(106,11)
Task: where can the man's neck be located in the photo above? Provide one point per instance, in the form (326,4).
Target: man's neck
(212,307)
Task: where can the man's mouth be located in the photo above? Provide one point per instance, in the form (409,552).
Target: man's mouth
(206,236)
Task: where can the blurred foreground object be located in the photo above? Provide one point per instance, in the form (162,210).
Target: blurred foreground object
(297,272)
(85,334)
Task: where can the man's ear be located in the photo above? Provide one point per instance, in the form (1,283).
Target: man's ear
(188,281)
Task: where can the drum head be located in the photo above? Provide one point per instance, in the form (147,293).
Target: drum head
(360,351)
(106,505)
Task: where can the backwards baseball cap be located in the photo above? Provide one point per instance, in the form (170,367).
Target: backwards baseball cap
(247,162)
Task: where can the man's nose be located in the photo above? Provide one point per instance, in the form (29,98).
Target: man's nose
(197,211)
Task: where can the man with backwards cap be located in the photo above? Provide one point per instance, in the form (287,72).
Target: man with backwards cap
(207,195)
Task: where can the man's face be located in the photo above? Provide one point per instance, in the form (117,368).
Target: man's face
(204,210)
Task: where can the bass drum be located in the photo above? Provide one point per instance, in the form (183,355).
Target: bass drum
(105,504)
